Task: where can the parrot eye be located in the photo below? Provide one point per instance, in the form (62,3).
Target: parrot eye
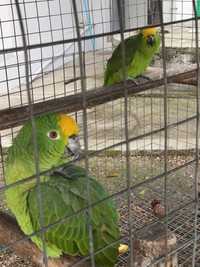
(73,136)
(53,135)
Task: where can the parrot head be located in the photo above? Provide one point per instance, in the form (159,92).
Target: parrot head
(150,34)
(56,134)
(70,131)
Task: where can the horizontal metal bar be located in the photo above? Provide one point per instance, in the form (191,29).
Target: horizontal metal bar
(88,37)
(12,117)
(176,250)
(42,230)
(92,154)
(147,134)
(29,2)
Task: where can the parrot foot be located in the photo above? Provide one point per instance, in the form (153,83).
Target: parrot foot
(143,77)
(129,78)
(140,79)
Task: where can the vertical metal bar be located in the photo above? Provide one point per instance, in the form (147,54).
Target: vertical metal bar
(84,67)
(17,56)
(2,160)
(34,137)
(75,83)
(63,46)
(120,7)
(52,48)
(197,134)
(164,65)
(85,128)
(172,8)
(6,69)
(41,52)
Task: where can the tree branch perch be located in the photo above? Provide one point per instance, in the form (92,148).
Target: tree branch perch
(73,103)
(10,234)
(149,245)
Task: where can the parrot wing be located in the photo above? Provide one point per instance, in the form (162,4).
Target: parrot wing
(61,198)
(115,63)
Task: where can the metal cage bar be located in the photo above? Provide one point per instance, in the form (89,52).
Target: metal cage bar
(197,139)
(85,129)
(120,7)
(34,139)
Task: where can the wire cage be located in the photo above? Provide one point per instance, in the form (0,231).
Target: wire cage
(140,141)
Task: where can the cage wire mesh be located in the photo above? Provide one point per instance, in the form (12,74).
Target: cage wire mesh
(140,146)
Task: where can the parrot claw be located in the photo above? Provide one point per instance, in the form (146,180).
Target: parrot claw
(145,78)
(129,78)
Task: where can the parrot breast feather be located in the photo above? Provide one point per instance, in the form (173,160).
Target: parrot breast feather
(61,198)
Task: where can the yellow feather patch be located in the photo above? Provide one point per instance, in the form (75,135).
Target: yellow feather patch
(149,31)
(68,125)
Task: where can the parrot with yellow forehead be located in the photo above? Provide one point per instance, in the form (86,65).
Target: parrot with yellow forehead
(139,51)
(63,193)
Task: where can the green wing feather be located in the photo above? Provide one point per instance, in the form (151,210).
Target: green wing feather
(114,64)
(62,197)
(138,56)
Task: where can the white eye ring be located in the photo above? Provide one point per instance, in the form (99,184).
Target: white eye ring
(53,135)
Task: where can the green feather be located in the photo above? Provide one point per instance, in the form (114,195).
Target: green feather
(61,198)
(72,236)
(138,56)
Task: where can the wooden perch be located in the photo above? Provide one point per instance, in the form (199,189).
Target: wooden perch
(148,245)
(72,103)
(191,81)
(10,234)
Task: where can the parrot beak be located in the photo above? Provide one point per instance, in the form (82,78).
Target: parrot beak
(74,147)
(150,40)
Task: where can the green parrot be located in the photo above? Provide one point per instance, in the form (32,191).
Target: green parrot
(63,193)
(139,51)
